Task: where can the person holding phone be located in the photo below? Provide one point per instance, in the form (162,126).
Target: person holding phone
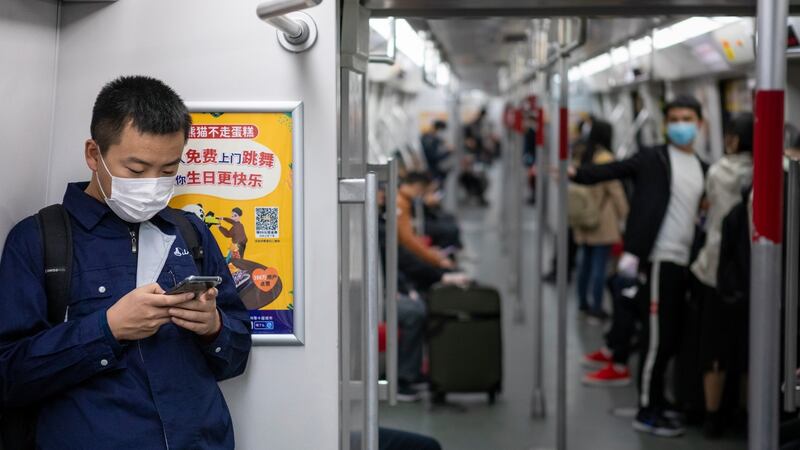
(129,366)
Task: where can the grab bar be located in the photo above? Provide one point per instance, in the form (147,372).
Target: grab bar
(297,31)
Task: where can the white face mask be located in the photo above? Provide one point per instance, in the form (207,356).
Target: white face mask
(137,200)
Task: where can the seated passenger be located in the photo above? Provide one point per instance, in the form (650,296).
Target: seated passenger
(668,187)
(724,184)
(412,187)
(441,226)
(415,278)
(473,181)
(435,150)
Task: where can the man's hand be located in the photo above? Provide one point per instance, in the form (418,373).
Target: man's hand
(200,315)
(141,312)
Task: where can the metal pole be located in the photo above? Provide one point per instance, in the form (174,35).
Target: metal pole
(765,286)
(505,195)
(790,311)
(391,282)
(372,255)
(563,161)
(538,409)
(517,206)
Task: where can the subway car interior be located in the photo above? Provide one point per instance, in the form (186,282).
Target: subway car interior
(509,224)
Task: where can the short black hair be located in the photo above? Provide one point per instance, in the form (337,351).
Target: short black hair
(237,211)
(440,125)
(685,101)
(147,103)
(741,126)
(416,178)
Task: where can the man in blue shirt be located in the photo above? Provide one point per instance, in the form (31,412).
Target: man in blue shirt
(129,367)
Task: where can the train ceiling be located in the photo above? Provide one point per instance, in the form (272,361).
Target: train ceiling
(476,48)
(554,8)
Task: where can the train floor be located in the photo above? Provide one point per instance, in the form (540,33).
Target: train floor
(508,425)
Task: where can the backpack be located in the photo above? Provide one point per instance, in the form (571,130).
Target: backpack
(583,212)
(18,426)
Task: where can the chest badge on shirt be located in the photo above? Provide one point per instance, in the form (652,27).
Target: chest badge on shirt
(180,252)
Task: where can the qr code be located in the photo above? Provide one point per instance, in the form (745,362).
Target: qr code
(267,222)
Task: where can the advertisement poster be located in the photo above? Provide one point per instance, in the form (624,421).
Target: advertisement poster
(237,175)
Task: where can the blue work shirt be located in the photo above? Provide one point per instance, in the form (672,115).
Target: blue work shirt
(94,392)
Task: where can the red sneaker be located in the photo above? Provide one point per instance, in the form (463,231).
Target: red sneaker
(596,359)
(608,376)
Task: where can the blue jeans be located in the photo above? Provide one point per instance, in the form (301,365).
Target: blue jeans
(592,274)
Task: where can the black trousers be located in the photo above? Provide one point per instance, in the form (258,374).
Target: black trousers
(665,295)
(629,309)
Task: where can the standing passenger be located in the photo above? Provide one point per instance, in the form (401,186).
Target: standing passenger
(724,184)
(596,242)
(668,186)
(128,367)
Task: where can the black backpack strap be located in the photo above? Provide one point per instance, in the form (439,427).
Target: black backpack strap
(56,233)
(190,235)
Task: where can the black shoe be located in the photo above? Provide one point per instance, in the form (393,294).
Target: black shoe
(407,394)
(656,424)
(600,315)
(550,278)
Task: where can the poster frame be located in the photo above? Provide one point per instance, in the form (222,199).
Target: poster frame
(295,108)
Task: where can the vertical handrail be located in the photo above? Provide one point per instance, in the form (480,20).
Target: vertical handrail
(790,311)
(392,338)
(516,199)
(561,274)
(538,409)
(767,234)
(371,258)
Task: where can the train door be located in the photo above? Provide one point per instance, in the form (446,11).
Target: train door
(358,241)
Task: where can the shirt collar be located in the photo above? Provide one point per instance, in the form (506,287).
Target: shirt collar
(89,211)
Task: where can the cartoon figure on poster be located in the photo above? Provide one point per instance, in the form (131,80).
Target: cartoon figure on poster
(236,177)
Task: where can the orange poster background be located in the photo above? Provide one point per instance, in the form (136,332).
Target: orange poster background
(275,133)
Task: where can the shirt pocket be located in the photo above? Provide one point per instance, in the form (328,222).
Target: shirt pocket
(97,290)
(174,272)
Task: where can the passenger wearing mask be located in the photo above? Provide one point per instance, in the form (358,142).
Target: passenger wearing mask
(435,150)
(659,233)
(724,184)
(412,187)
(129,366)
(595,241)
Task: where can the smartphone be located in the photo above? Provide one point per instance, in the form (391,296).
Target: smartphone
(195,283)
